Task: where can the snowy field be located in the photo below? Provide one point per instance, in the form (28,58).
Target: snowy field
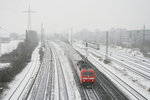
(7,48)
(136,81)
(10,46)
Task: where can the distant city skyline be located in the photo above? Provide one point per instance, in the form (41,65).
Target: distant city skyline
(60,15)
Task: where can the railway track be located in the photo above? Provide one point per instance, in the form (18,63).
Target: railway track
(106,84)
(90,94)
(86,94)
(143,60)
(41,88)
(129,67)
(63,93)
(142,66)
(132,91)
(101,91)
(137,58)
(135,94)
(138,63)
(25,82)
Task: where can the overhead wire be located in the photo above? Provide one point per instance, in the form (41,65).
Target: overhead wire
(1,28)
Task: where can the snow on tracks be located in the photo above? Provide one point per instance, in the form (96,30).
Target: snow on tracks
(73,93)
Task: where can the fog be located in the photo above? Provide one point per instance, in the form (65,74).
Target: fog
(60,15)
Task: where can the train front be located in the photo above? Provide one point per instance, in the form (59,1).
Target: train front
(88,77)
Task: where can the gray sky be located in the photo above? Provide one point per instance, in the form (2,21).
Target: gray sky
(78,14)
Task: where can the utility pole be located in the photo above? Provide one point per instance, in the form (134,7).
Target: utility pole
(121,38)
(67,35)
(0,48)
(86,55)
(42,35)
(71,36)
(106,61)
(99,41)
(106,56)
(143,38)
(29,17)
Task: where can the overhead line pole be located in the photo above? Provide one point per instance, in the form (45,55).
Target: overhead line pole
(106,56)
(143,37)
(42,35)
(71,36)
(29,17)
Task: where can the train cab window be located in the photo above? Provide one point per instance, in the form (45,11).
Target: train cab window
(90,73)
(85,74)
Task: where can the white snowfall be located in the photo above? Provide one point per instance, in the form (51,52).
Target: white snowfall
(138,83)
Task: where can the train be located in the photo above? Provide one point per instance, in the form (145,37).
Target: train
(92,45)
(85,73)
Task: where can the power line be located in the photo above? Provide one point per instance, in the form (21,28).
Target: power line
(4,29)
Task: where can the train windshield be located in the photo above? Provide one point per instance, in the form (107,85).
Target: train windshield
(90,73)
(87,73)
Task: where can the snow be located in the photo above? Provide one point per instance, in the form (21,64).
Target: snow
(8,47)
(134,52)
(56,91)
(23,78)
(4,65)
(68,74)
(137,82)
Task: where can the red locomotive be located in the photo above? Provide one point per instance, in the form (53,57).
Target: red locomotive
(85,73)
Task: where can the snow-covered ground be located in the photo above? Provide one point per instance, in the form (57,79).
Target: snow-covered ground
(137,82)
(23,79)
(3,65)
(134,52)
(8,47)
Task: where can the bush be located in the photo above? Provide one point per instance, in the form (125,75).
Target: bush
(18,59)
